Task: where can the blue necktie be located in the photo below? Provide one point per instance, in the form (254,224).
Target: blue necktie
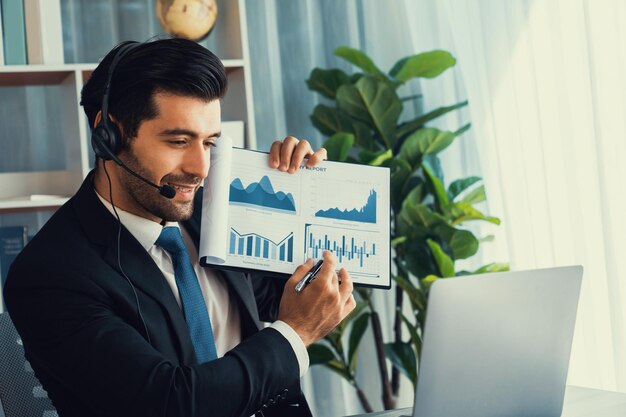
(194,307)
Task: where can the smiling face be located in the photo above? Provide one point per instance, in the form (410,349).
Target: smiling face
(173,148)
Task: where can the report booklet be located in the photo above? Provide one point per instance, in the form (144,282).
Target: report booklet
(256,218)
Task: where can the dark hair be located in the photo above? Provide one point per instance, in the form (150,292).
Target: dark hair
(174,65)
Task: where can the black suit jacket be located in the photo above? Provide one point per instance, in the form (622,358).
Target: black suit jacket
(79,322)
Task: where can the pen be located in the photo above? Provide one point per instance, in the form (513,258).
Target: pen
(309,276)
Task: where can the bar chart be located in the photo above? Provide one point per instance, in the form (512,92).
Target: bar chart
(355,249)
(253,245)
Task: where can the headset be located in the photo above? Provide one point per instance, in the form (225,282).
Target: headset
(106,139)
(106,143)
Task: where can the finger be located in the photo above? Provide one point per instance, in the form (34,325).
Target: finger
(330,262)
(349,305)
(302,149)
(346,287)
(286,150)
(326,273)
(275,154)
(317,157)
(301,271)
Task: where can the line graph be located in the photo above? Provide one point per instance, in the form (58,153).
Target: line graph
(257,246)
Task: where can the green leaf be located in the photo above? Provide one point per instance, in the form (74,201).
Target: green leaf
(418,258)
(360,306)
(419,122)
(400,172)
(415,296)
(374,103)
(356,334)
(492,267)
(445,264)
(463,244)
(364,294)
(415,196)
(402,355)
(338,145)
(339,368)
(462,212)
(331,120)
(375,158)
(359,59)
(458,186)
(437,184)
(428,281)
(418,221)
(415,338)
(320,354)
(414,215)
(477,195)
(424,141)
(326,81)
(424,65)
(487,239)
(411,97)
(434,163)
(334,339)
(463,129)
(408,209)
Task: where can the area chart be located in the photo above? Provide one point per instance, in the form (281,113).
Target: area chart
(261,194)
(366,214)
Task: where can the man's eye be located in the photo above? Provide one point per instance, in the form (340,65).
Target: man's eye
(209,143)
(177,142)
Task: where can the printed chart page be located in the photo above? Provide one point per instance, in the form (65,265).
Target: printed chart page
(276,220)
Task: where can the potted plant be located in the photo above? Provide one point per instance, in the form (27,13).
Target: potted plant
(427,218)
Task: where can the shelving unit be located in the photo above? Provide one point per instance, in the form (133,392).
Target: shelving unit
(228,40)
(44,135)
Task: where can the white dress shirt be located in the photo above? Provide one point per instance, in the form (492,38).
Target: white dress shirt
(224,314)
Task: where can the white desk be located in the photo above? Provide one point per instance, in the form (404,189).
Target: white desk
(579,402)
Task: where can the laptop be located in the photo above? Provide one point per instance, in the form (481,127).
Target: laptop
(497,345)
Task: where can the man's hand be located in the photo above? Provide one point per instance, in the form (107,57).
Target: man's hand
(319,308)
(287,155)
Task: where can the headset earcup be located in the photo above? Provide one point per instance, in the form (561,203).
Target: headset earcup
(105,141)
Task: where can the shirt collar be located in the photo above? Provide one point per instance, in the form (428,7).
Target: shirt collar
(144,230)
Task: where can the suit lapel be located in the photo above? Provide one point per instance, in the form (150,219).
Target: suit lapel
(140,268)
(101,228)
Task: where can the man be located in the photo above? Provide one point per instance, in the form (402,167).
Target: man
(100,296)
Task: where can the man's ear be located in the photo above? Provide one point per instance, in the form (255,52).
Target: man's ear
(97,119)
(111,119)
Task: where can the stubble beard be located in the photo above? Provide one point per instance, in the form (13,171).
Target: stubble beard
(148,198)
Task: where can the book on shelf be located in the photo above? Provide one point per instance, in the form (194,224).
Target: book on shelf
(1,63)
(256,218)
(44,32)
(13,32)
(12,241)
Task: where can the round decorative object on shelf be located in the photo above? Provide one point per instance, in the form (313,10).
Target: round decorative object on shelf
(190,19)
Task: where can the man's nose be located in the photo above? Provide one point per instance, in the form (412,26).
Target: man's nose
(197,161)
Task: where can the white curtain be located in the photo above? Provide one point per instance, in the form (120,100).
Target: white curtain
(546,82)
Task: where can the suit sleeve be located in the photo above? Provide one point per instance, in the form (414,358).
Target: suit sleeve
(89,358)
(268,292)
